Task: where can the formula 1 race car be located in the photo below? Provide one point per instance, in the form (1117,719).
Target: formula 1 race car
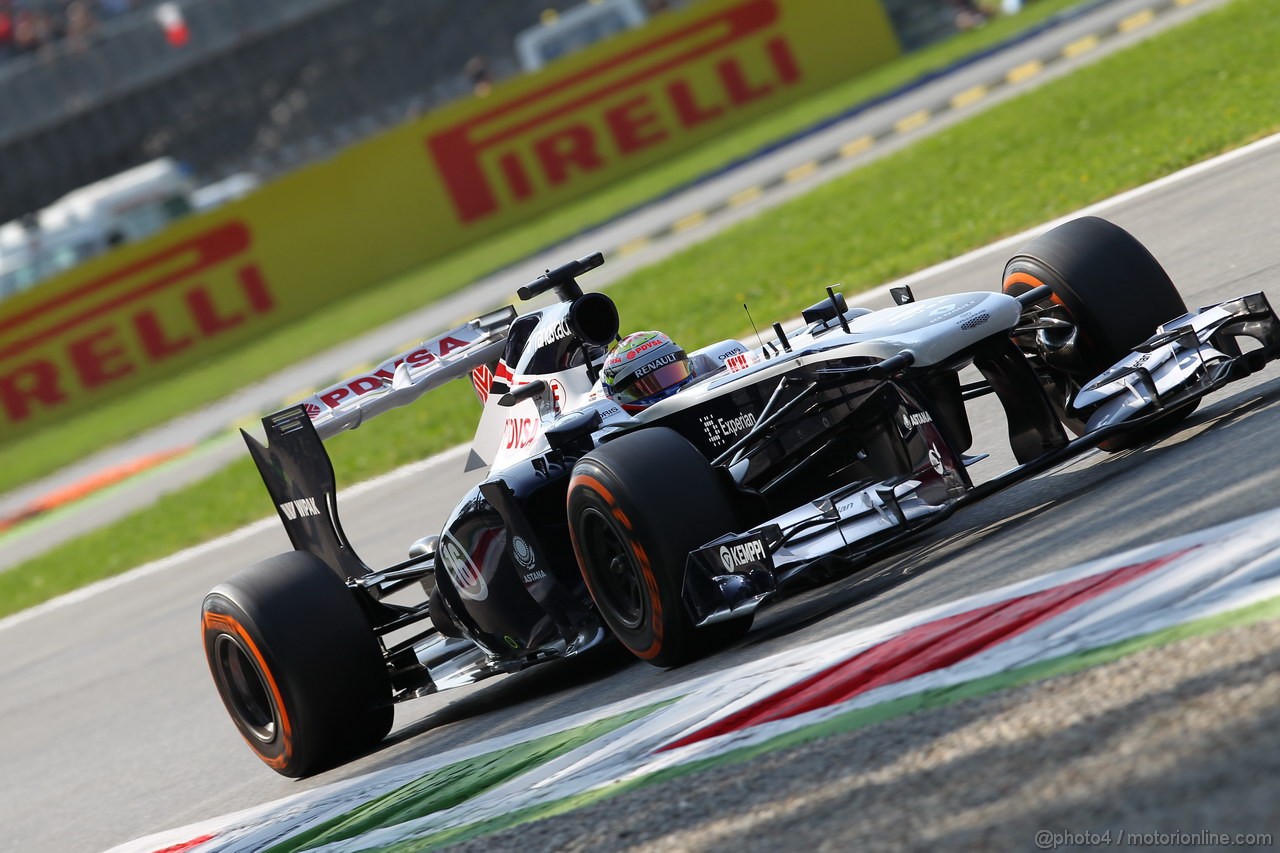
(666,528)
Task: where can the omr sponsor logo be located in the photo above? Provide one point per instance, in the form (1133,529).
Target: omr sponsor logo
(616,109)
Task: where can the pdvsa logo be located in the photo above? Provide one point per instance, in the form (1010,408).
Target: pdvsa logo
(336,395)
(519,433)
(644,347)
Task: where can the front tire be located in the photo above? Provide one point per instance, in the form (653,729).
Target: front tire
(1114,291)
(637,506)
(296,664)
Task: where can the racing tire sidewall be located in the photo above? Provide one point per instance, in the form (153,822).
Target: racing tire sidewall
(1112,286)
(1114,290)
(660,499)
(290,623)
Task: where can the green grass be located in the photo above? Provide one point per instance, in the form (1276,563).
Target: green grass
(1193,92)
(25,459)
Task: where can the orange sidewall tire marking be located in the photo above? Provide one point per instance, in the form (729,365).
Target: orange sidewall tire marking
(642,558)
(1029,280)
(229,624)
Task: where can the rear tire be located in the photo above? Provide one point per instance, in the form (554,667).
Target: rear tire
(1115,292)
(296,664)
(637,506)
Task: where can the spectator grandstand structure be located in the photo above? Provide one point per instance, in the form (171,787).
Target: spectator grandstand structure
(256,87)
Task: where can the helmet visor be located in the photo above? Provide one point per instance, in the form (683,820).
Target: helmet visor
(656,382)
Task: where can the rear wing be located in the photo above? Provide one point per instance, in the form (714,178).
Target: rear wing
(299,477)
(404,378)
(294,464)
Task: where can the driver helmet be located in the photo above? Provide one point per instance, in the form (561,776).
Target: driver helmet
(644,368)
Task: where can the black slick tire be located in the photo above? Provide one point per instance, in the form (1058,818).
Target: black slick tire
(1114,290)
(296,664)
(637,506)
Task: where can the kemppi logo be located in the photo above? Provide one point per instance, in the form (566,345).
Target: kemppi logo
(615,109)
(137,315)
(734,557)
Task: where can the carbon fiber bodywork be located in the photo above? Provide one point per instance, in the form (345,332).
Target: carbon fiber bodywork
(837,440)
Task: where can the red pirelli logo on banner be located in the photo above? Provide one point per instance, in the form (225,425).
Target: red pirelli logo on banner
(115,326)
(614,109)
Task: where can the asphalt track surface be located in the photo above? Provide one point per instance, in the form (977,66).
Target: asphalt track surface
(706,197)
(113,729)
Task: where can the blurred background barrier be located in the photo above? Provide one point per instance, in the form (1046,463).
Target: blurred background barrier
(89,88)
(412,193)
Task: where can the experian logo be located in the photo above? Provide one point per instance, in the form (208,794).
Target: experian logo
(720,430)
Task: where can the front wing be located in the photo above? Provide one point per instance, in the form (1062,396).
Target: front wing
(1186,359)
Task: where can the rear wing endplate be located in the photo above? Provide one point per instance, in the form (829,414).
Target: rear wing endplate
(294,464)
(299,477)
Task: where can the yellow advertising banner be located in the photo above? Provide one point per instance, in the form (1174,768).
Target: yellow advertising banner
(417,192)
(606,113)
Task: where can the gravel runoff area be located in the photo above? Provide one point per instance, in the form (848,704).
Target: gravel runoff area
(1183,738)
